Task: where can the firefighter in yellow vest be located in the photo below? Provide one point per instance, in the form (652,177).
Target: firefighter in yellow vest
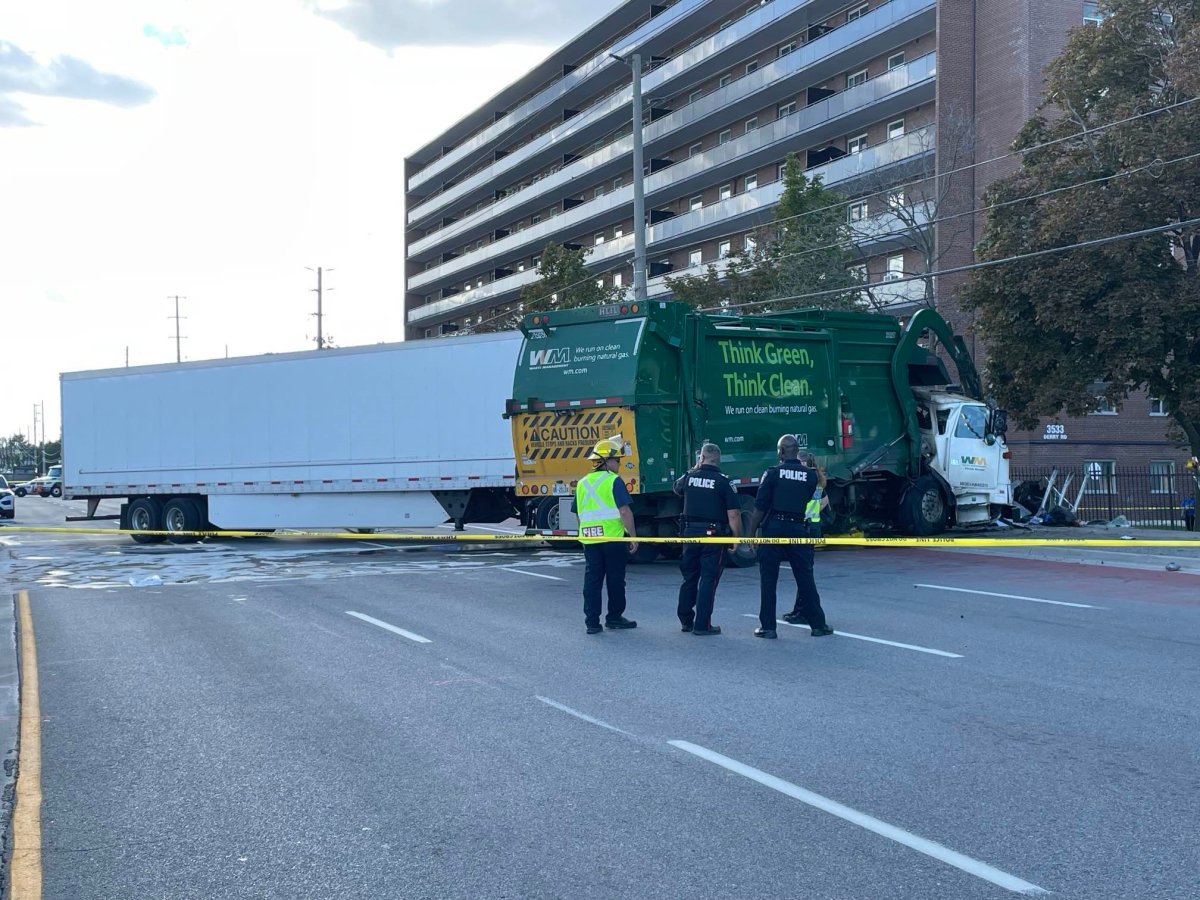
(602,503)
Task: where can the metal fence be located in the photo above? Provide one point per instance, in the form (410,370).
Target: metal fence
(1145,496)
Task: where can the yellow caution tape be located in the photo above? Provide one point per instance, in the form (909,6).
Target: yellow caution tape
(465,537)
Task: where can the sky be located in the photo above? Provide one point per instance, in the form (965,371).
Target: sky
(214,149)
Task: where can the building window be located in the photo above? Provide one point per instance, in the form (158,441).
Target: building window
(521,266)
(618,183)
(1157,406)
(725,136)
(725,80)
(600,282)
(696,203)
(723,249)
(895,267)
(857,13)
(618,232)
(694,149)
(895,199)
(856,144)
(895,61)
(1092,14)
(618,279)
(787,48)
(1102,476)
(751,67)
(751,182)
(785,109)
(535,262)
(599,239)
(858,210)
(751,243)
(1103,407)
(694,96)
(856,78)
(751,124)
(695,257)
(428,332)
(598,193)
(895,129)
(1162,476)
(779,171)
(725,192)
(534,220)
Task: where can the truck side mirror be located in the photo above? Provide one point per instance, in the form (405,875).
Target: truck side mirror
(999,422)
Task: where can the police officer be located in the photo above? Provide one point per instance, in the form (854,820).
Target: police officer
(788,496)
(602,503)
(710,509)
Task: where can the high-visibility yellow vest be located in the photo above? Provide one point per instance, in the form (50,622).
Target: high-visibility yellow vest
(599,516)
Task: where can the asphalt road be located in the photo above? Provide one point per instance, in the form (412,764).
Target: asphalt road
(234,731)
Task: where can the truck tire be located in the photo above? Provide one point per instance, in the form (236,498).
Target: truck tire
(668,528)
(182,514)
(145,515)
(923,509)
(56,491)
(645,553)
(743,556)
(546,517)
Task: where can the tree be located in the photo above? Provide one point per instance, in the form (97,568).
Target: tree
(803,250)
(564,282)
(1066,329)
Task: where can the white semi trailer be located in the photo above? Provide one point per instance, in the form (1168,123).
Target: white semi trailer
(391,435)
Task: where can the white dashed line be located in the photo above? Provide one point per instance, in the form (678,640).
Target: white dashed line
(584,716)
(944,587)
(870,823)
(873,640)
(392,628)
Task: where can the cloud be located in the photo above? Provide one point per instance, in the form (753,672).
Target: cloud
(398,23)
(63,76)
(168,37)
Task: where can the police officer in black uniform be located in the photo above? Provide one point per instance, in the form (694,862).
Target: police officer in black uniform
(710,509)
(785,497)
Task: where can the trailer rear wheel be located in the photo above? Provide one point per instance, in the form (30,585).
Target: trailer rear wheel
(923,510)
(182,514)
(145,515)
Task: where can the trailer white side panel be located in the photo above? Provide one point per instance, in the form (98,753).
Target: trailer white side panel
(407,509)
(408,417)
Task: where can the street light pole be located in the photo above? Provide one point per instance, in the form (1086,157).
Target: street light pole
(634,61)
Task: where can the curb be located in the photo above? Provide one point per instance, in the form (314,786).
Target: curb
(10,707)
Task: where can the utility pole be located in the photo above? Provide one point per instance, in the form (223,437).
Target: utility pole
(634,61)
(33,443)
(319,290)
(178,337)
(127,356)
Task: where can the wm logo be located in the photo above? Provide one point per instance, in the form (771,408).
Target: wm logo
(540,358)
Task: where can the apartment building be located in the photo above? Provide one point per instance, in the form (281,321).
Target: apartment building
(871,95)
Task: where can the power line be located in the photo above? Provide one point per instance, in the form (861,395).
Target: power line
(986,264)
(892,188)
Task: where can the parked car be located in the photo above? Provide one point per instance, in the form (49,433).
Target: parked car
(20,488)
(8,501)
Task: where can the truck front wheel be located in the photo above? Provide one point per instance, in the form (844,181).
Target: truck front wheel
(923,510)
(145,515)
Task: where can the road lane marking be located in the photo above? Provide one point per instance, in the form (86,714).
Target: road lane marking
(25,872)
(392,628)
(872,640)
(870,823)
(527,572)
(584,716)
(944,587)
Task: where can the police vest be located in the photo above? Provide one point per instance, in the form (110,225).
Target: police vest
(793,489)
(599,516)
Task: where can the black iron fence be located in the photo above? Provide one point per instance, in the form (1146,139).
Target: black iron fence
(1153,497)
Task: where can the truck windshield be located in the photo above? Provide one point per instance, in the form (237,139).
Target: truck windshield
(972,422)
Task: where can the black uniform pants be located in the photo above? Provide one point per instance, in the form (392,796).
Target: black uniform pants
(800,558)
(701,565)
(604,564)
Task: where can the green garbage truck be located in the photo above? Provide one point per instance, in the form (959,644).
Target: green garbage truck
(904,445)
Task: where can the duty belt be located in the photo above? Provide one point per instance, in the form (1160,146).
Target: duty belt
(788,517)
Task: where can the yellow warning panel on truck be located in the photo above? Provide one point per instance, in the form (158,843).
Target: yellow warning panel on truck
(552,447)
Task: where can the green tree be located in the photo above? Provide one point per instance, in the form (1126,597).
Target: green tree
(564,282)
(1065,329)
(803,250)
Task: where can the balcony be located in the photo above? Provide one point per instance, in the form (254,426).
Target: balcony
(558,91)
(895,22)
(738,213)
(883,96)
